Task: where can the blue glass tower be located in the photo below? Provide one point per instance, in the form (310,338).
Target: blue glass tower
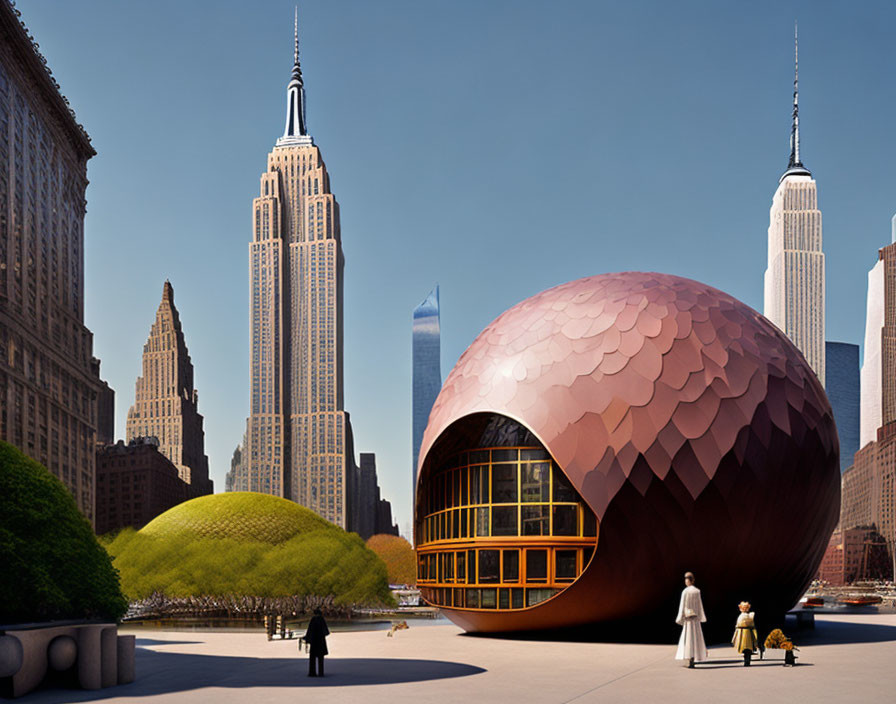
(842,386)
(427,374)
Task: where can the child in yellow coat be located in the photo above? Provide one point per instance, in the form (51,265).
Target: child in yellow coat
(746,639)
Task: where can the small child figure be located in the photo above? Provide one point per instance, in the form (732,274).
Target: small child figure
(746,639)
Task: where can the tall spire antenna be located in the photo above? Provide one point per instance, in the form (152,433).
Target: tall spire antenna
(795,166)
(795,129)
(296,131)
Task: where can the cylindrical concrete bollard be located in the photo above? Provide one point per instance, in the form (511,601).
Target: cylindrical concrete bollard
(109,646)
(126,659)
(12,655)
(89,657)
(62,652)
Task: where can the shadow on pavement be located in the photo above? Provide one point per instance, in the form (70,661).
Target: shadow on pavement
(723,664)
(831,632)
(160,673)
(142,642)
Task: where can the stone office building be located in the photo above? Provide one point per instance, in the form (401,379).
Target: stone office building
(135,483)
(49,379)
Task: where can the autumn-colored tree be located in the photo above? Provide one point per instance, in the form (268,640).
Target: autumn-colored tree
(399,556)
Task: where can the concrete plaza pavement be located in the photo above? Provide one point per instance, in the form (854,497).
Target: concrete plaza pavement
(846,658)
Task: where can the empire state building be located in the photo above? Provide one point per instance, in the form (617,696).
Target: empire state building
(794,279)
(297,429)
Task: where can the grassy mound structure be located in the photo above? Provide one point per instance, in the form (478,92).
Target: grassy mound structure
(241,515)
(244,543)
(51,565)
(399,556)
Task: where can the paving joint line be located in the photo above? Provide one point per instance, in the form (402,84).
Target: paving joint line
(616,679)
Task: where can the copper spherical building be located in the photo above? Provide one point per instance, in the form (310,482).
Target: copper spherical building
(601,438)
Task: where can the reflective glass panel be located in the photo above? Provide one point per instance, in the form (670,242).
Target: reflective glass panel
(563,490)
(511,566)
(489,566)
(590,524)
(472,598)
(535,520)
(536,596)
(504,599)
(504,520)
(565,565)
(536,482)
(482,522)
(536,565)
(566,520)
(475,496)
(479,456)
(504,483)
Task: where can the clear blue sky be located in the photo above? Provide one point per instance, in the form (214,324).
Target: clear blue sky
(497,148)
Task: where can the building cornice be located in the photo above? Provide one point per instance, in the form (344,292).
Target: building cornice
(26,49)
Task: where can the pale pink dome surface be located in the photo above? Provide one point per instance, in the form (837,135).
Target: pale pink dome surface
(687,406)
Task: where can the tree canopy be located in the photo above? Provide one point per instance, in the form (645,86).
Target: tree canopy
(51,565)
(399,556)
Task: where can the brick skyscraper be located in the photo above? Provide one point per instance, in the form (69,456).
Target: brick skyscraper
(794,279)
(49,380)
(166,406)
(296,431)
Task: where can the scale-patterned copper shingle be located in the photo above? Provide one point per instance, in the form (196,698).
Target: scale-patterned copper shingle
(693,428)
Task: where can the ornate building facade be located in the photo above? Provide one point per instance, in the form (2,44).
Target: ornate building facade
(296,440)
(795,278)
(166,404)
(49,379)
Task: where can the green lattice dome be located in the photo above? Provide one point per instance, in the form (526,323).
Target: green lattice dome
(243,543)
(242,515)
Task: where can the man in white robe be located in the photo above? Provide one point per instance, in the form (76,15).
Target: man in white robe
(691,645)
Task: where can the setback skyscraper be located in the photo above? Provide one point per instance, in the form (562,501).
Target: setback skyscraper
(794,279)
(166,405)
(869,485)
(296,431)
(49,379)
(878,397)
(427,374)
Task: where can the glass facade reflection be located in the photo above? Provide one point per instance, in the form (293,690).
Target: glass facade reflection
(427,374)
(842,387)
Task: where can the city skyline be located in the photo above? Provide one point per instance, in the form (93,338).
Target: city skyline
(592,117)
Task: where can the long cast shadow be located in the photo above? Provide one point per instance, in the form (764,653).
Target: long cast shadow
(165,673)
(142,642)
(831,632)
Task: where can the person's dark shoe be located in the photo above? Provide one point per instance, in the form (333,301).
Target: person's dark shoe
(691,663)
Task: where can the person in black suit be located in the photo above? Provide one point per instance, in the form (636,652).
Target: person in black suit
(316,637)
